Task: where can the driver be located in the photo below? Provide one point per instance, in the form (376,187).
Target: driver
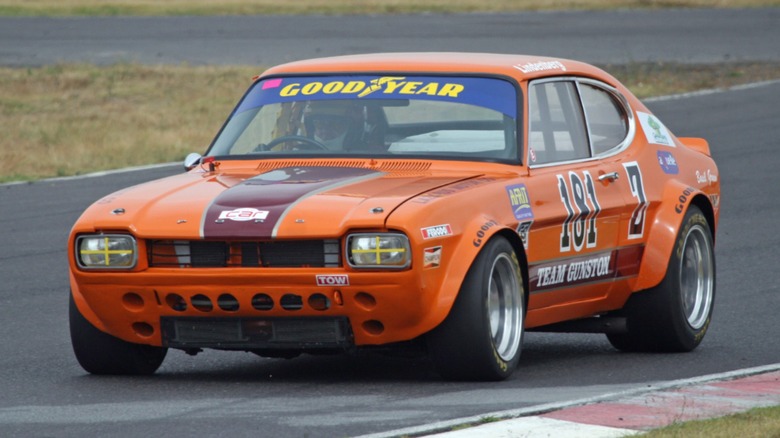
(334,123)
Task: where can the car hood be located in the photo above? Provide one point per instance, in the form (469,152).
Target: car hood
(293,201)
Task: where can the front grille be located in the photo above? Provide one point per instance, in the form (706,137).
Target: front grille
(263,254)
(255,333)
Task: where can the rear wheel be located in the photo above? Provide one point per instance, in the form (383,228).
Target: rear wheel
(481,338)
(674,316)
(101,353)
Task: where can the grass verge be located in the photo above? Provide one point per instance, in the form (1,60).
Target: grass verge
(75,119)
(252,7)
(756,423)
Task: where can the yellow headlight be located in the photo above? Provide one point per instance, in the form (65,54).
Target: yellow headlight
(378,250)
(106,251)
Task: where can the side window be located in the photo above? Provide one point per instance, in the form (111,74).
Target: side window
(607,120)
(556,125)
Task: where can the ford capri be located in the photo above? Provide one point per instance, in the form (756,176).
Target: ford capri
(449,201)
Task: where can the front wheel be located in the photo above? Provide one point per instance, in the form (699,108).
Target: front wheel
(101,353)
(481,338)
(674,316)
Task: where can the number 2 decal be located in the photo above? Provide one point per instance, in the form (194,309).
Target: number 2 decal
(636,226)
(579,226)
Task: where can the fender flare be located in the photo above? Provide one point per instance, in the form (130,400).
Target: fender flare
(678,197)
(84,307)
(476,233)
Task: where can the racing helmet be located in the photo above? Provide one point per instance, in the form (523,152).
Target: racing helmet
(334,123)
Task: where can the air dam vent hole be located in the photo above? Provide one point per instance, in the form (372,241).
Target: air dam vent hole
(176,302)
(202,303)
(143,329)
(133,302)
(227,302)
(373,327)
(262,302)
(291,302)
(319,302)
(365,300)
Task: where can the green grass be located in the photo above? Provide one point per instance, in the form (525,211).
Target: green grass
(756,423)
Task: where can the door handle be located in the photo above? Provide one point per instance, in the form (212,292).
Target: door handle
(607,177)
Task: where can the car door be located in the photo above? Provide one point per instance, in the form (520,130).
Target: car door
(577,203)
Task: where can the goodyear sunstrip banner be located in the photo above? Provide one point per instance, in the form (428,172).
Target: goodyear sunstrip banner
(492,93)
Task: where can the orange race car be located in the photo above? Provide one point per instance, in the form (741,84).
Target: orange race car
(444,200)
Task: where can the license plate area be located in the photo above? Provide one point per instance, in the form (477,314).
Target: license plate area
(251,333)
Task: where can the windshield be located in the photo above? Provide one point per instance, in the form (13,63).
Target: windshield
(376,116)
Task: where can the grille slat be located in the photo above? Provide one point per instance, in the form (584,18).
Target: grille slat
(263,254)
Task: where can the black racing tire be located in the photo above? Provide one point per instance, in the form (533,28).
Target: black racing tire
(675,315)
(101,353)
(482,336)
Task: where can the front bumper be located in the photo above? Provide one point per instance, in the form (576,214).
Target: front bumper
(241,308)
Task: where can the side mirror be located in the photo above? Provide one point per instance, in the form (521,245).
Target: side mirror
(192,160)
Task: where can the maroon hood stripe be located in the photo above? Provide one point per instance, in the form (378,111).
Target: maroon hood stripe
(254,208)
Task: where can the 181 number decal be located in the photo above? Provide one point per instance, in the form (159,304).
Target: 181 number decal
(579,229)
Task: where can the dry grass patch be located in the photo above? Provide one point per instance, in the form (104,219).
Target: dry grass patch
(68,120)
(251,7)
(659,79)
(76,119)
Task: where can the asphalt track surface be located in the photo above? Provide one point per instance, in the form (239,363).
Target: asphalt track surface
(43,391)
(683,35)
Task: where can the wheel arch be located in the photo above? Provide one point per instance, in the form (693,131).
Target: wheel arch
(468,249)
(678,198)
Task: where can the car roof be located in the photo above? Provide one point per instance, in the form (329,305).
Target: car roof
(521,67)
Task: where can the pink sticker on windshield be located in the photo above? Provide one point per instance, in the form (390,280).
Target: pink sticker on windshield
(272,83)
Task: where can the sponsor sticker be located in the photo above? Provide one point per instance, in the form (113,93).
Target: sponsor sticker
(522,230)
(333,280)
(715,199)
(655,131)
(244,214)
(682,200)
(706,177)
(272,83)
(436,231)
(432,257)
(497,94)
(521,203)
(575,271)
(540,66)
(382,85)
(668,163)
(481,233)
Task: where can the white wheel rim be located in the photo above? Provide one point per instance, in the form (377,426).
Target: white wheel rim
(505,307)
(697,277)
